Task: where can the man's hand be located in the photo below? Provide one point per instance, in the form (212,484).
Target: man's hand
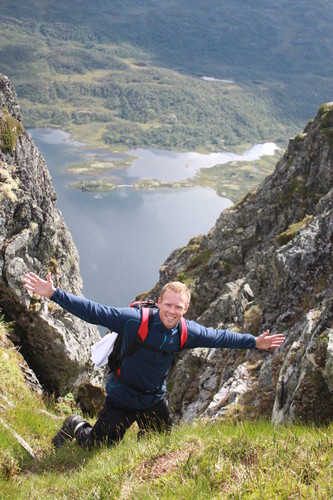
(266,341)
(35,284)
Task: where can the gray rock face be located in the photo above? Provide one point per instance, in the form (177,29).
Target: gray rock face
(34,237)
(268,265)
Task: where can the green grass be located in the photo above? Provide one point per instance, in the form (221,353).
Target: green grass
(203,459)
(286,236)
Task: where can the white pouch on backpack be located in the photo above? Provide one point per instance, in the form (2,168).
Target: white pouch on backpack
(100,350)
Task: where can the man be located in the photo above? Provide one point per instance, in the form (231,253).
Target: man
(139,394)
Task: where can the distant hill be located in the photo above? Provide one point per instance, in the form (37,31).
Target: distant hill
(127,72)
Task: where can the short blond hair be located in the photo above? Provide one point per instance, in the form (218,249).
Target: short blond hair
(177,287)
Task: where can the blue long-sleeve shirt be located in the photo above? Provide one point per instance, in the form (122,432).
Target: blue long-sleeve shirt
(146,368)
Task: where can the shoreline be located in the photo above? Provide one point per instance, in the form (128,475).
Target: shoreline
(229,174)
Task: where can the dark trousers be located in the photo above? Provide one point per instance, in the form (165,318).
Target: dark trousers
(114,421)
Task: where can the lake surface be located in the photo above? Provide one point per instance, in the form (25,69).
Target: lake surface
(124,236)
(174,166)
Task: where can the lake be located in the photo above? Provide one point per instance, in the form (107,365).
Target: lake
(124,236)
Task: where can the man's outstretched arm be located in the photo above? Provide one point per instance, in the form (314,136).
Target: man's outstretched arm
(82,308)
(35,284)
(266,341)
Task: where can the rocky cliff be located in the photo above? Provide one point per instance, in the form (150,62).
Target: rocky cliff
(35,238)
(267,264)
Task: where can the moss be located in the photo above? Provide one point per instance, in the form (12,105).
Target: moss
(288,235)
(319,284)
(194,267)
(5,328)
(8,186)
(198,260)
(297,187)
(329,134)
(195,243)
(249,198)
(298,139)
(10,130)
(328,131)
(308,302)
(252,319)
(227,267)
(328,119)
(53,266)
(324,108)
(183,278)
(51,307)
(326,112)
(6,191)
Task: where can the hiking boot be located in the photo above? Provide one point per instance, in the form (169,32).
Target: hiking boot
(68,430)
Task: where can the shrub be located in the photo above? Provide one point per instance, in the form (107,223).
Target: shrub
(10,129)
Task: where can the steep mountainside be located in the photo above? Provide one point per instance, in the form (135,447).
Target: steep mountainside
(267,264)
(35,238)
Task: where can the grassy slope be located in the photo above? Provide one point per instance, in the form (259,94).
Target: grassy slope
(201,460)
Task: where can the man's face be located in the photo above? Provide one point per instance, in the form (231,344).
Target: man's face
(172,307)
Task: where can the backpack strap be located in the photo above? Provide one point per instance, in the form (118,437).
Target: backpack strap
(146,319)
(183,332)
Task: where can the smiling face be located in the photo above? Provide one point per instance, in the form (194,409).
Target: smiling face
(173,306)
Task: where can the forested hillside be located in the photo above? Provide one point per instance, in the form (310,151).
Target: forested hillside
(129,73)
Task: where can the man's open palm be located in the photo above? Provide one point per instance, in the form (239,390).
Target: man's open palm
(266,341)
(35,284)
